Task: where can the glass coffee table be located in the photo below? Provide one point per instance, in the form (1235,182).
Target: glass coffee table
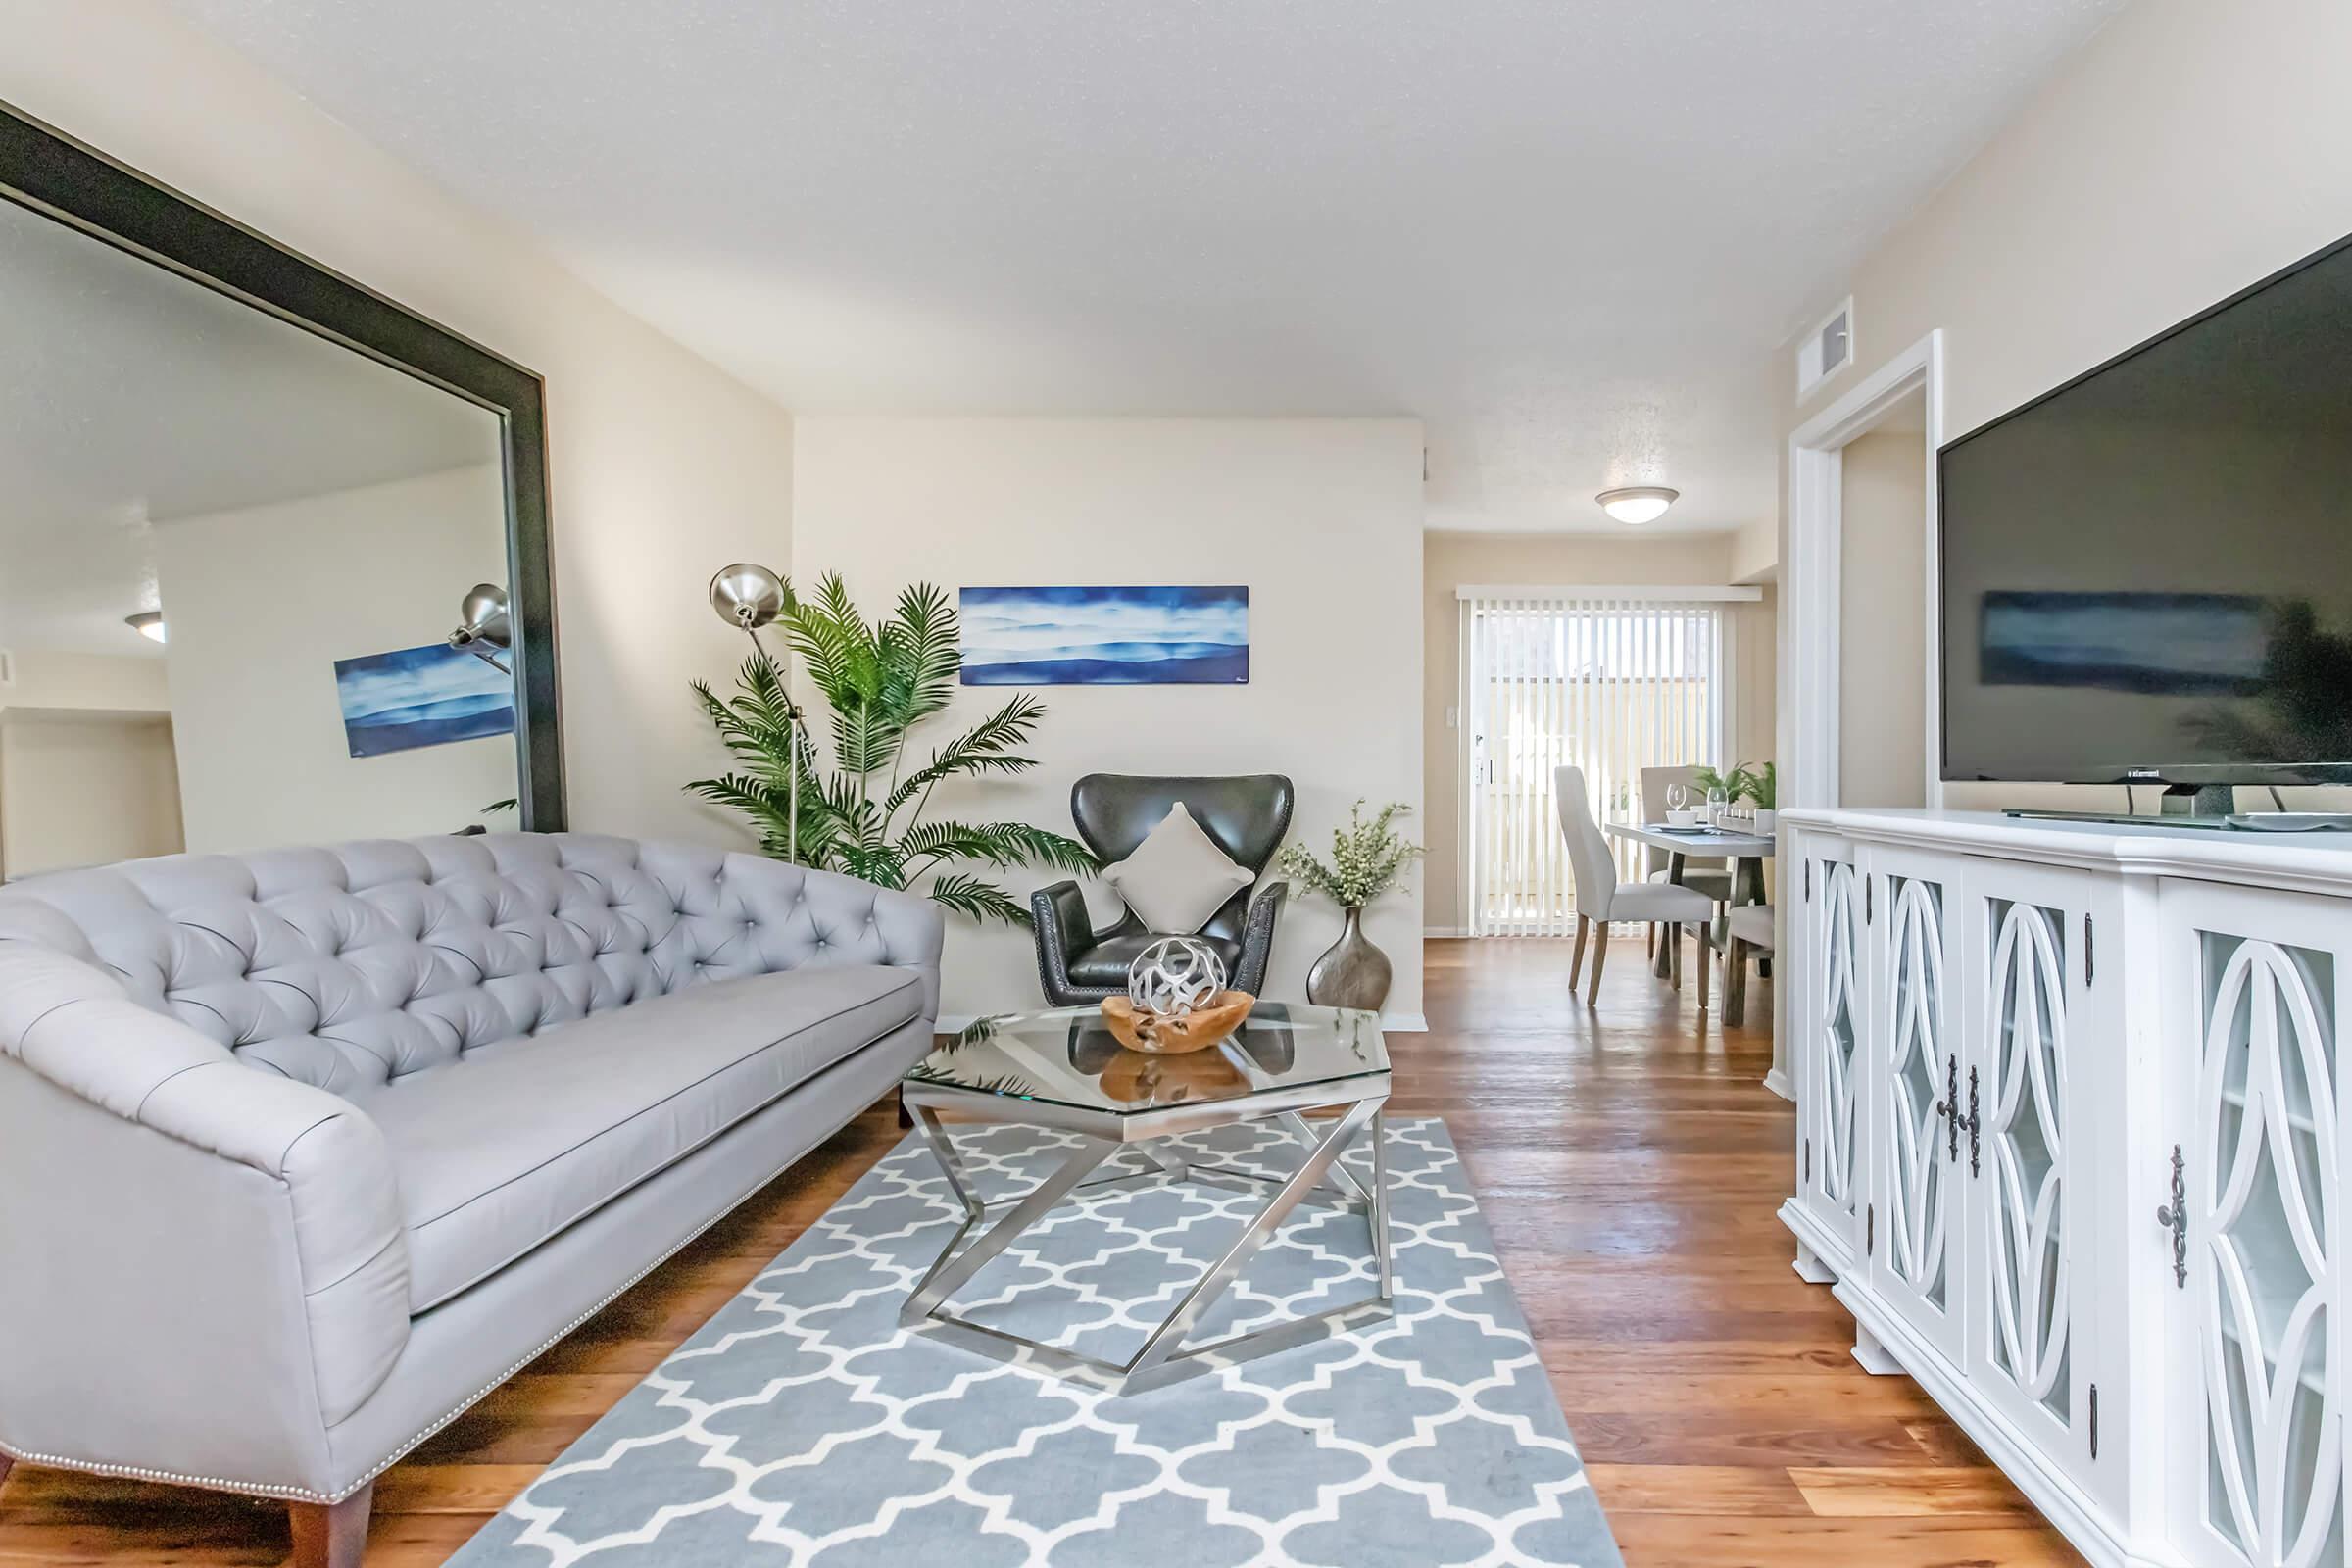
(1064,1070)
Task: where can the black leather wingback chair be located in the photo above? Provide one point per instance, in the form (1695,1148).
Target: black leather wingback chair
(1248,817)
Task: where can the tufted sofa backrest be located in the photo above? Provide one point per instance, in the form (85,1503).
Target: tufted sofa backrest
(357,964)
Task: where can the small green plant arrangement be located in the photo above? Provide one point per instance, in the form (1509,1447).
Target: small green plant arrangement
(865,814)
(1367,858)
(1742,783)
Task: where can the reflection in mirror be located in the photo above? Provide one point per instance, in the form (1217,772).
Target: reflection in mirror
(231,556)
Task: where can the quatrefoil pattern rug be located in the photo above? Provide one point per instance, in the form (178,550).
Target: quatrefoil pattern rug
(802,1427)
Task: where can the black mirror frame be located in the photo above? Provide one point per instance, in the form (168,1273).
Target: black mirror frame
(51,173)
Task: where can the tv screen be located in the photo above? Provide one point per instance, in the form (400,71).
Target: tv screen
(2149,571)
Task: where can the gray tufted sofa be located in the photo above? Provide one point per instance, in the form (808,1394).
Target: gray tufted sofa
(305,1150)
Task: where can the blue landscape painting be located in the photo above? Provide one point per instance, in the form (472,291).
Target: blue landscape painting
(2165,644)
(1105,636)
(428,696)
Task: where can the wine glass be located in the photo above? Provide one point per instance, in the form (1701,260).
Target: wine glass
(1678,798)
(1719,802)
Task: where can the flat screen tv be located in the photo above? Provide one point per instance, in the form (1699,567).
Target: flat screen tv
(2146,574)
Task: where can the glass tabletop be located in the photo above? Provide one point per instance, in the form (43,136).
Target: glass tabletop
(1068,1057)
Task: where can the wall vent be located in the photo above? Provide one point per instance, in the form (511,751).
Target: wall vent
(1827,350)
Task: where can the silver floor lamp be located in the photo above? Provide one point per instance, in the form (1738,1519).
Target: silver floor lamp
(752,597)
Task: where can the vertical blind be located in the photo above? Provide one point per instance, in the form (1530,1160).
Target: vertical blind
(1610,685)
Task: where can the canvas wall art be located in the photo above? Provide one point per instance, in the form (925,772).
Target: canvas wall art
(428,696)
(1105,636)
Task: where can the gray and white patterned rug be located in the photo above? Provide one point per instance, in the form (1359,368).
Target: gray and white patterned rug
(802,1427)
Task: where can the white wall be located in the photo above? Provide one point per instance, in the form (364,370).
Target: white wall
(262,601)
(87,682)
(1320,518)
(2189,150)
(662,467)
(1882,657)
(84,788)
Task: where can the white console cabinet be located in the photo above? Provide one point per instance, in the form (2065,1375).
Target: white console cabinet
(2070,1117)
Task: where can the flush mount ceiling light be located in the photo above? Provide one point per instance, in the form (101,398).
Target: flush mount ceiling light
(148,623)
(1638,503)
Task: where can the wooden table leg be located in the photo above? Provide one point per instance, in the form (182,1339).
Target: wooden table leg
(1669,935)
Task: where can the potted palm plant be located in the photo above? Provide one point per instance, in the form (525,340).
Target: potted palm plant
(866,814)
(1366,859)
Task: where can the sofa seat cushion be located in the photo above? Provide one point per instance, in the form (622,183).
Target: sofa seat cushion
(1107,963)
(499,1152)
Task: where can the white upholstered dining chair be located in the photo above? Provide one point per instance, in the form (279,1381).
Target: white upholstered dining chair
(1602,898)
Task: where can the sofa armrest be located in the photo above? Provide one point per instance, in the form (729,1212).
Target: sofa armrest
(279,1196)
(809,917)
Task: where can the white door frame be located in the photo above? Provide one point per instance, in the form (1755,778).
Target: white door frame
(1807,726)
(1809,612)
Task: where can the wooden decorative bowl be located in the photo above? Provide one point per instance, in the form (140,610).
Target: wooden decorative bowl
(1133,1078)
(1197,1029)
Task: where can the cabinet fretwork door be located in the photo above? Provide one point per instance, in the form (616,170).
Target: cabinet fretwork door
(2265,1410)
(1914,1083)
(1832,1153)
(2028,1024)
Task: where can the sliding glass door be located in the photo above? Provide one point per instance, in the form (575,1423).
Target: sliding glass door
(1612,685)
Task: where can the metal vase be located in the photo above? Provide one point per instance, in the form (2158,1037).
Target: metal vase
(1354,973)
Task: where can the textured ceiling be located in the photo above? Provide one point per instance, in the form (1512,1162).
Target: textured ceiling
(1566,234)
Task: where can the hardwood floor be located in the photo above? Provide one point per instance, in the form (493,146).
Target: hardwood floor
(1630,1165)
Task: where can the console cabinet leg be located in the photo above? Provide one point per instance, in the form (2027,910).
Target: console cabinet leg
(1811,1270)
(1873,1355)
(331,1535)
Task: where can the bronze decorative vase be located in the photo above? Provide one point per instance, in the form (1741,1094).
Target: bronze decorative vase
(1354,973)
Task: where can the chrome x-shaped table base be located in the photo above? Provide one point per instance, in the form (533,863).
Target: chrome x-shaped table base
(1163,1357)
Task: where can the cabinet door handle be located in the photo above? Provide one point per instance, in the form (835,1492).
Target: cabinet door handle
(1949,1107)
(2174,1217)
(1976,1128)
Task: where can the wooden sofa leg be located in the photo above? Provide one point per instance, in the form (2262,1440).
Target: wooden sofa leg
(331,1535)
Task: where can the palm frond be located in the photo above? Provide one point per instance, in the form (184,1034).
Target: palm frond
(986,747)
(982,901)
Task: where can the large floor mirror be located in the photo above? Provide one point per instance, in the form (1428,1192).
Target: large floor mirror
(273,550)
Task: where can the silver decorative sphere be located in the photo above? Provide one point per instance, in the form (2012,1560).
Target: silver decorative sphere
(1173,976)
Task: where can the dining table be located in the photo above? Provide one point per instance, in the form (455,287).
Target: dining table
(1746,850)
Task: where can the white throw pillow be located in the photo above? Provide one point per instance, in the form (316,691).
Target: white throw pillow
(1177,877)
